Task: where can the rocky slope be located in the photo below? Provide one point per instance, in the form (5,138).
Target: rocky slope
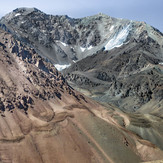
(42,119)
(129,76)
(114,60)
(64,40)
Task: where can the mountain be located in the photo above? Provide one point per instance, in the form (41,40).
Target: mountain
(64,40)
(43,119)
(129,76)
(112,54)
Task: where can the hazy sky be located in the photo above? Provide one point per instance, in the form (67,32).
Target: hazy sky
(150,11)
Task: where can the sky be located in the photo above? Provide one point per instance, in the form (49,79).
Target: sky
(150,11)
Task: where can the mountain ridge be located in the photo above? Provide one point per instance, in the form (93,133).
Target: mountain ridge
(77,38)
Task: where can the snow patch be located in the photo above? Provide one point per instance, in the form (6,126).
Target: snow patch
(90,47)
(118,39)
(64,44)
(18,14)
(43,31)
(111,28)
(82,49)
(61,67)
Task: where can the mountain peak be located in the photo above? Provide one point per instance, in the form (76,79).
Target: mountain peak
(86,35)
(23,11)
(26,9)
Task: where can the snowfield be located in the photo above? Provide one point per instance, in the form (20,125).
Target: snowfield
(64,44)
(118,39)
(18,14)
(61,67)
(82,49)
